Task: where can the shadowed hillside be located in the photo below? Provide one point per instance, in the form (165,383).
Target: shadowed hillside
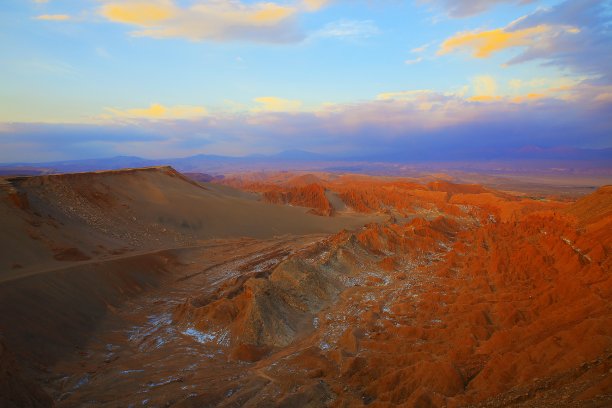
(81,216)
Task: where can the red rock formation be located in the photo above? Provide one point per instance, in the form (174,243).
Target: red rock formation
(450,311)
(311,195)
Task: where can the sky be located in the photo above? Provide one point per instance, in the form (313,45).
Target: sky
(439,79)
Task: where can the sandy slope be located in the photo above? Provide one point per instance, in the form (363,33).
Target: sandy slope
(73,217)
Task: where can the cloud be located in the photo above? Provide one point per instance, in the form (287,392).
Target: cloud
(582,40)
(410,95)
(44,142)
(274,104)
(574,34)
(420,49)
(528,97)
(102,52)
(53,17)
(314,5)
(353,30)
(413,61)
(467,8)
(425,124)
(559,88)
(484,43)
(403,125)
(484,86)
(212,20)
(158,112)
(421,99)
(139,13)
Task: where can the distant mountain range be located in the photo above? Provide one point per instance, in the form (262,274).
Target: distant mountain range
(196,163)
(529,157)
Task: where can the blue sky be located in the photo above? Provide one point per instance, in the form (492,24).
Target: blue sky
(173,78)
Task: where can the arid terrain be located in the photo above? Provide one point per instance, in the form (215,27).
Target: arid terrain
(145,287)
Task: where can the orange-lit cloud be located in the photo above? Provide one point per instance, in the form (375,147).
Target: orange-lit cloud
(485,86)
(212,20)
(573,34)
(268,13)
(53,17)
(139,13)
(484,98)
(314,5)
(484,43)
(537,88)
(528,97)
(158,112)
(274,104)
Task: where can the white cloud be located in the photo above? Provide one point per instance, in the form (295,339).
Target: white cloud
(413,61)
(53,17)
(353,30)
(420,49)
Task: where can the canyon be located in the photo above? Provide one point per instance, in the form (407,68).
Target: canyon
(146,287)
